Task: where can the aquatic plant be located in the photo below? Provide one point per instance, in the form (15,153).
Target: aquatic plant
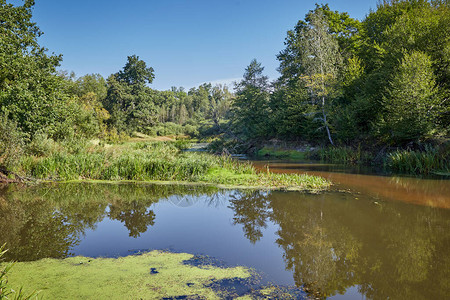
(159,161)
(6,291)
(344,155)
(431,160)
(152,275)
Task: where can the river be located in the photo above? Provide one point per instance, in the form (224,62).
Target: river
(369,237)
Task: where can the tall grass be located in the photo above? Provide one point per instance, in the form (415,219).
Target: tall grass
(156,161)
(431,160)
(344,155)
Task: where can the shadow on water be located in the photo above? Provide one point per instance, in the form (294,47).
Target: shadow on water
(327,244)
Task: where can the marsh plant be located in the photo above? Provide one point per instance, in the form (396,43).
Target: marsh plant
(158,161)
(431,160)
(6,292)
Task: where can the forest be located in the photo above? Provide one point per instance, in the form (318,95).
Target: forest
(380,86)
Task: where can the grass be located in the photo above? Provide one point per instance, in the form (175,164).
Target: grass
(344,155)
(281,153)
(159,161)
(152,275)
(430,161)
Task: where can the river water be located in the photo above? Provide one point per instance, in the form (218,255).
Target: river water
(369,237)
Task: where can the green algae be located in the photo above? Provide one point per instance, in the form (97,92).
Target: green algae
(152,275)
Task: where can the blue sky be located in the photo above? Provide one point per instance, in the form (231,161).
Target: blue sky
(187,42)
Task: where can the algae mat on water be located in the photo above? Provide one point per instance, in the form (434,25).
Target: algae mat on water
(152,275)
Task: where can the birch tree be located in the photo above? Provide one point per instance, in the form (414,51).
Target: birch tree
(321,62)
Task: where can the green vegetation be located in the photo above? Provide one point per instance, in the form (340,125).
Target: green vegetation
(378,82)
(344,155)
(152,275)
(280,153)
(6,290)
(158,161)
(429,161)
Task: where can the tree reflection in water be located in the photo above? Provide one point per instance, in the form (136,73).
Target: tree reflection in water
(334,241)
(47,222)
(330,242)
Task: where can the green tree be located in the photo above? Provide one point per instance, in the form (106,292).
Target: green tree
(411,101)
(251,105)
(136,72)
(322,60)
(31,92)
(129,101)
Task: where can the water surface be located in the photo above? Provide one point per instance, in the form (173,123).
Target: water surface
(372,237)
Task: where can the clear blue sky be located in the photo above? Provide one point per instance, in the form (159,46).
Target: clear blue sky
(187,42)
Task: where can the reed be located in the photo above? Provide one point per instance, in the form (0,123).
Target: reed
(344,155)
(431,160)
(162,161)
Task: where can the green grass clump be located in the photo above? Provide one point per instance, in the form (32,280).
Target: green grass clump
(152,275)
(429,161)
(344,155)
(159,161)
(279,153)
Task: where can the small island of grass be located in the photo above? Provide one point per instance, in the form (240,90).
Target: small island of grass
(157,162)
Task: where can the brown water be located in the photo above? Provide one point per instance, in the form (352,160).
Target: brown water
(429,192)
(371,237)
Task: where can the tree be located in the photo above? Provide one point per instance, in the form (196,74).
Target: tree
(412,100)
(129,101)
(321,60)
(31,93)
(136,72)
(298,88)
(250,108)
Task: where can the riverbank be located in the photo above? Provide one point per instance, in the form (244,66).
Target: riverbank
(157,162)
(422,160)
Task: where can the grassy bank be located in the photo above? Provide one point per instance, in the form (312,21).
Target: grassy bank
(157,161)
(429,161)
(152,275)
(424,161)
(278,153)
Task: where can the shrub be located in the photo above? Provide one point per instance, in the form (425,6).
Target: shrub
(11,142)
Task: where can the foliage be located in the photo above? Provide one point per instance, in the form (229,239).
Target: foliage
(160,161)
(431,160)
(411,101)
(11,142)
(344,155)
(250,108)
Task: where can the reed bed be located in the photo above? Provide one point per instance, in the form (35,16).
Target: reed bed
(344,155)
(159,161)
(431,160)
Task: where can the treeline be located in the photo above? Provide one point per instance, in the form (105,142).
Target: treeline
(40,106)
(381,81)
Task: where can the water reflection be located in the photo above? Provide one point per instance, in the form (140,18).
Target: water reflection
(49,220)
(332,242)
(430,192)
(328,242)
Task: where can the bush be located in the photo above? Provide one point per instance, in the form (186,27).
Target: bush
(42,145)
(11,142)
